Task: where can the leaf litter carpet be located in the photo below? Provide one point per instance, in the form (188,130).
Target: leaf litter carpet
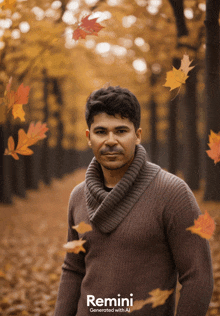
(32,234)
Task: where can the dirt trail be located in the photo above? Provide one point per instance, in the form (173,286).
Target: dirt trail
(32,232)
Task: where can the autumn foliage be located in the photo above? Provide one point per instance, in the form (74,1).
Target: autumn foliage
(34,134)
(214,145)
(87,27)
(204,226)
(14,101)
(176,77)
(158,297)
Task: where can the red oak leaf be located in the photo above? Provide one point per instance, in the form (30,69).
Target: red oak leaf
(21,96)
(34,134)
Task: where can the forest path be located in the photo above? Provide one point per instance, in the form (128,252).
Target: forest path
(32,232)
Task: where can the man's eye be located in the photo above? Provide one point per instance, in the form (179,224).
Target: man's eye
(100,132)
(121,131)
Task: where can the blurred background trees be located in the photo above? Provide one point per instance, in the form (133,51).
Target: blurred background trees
(139,43)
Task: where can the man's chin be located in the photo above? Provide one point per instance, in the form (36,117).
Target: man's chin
(112,166)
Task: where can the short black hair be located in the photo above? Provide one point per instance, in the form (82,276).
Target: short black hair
(112,101)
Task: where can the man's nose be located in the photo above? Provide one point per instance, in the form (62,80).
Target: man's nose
(111,140)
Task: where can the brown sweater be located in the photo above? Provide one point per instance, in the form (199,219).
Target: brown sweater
(139,243)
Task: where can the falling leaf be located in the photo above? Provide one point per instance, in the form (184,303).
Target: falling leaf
(75,246)
(213,137)
(87,27)
(18,111)
(8,4)
(15,100)
(34,134)
(214,151)
(204,226)
(185,63)
(82,227)
(176,77)
(158,297)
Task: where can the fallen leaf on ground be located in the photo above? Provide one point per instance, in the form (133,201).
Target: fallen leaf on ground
(158,297)
(75,246)
(204,226)
(82,227)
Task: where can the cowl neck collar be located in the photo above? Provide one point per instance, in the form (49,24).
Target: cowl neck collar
(106,210)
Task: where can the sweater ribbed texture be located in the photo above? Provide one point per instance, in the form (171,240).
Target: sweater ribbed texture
(107,210)
(136,245)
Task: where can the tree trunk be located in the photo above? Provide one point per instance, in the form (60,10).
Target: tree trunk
(191,148)
(172,132)
(59,161)
(212,59)
(45,157)
(178,10)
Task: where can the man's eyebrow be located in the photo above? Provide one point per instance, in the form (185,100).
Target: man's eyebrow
(117,127)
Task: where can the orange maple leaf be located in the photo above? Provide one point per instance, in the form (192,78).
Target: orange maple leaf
(213,137)
(204,226)
(158,297)
(87,27)
(214,151)
(176,77)
(34,134)
(75,246)
(82,227)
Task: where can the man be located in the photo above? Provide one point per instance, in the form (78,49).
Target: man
(139,214)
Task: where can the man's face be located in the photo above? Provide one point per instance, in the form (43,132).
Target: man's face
(113,140)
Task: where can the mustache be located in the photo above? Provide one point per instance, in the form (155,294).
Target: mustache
(111,150)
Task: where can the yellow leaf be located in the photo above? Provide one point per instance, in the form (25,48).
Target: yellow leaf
(175,78)
(11,144)
(18,111)
(75,246)
(82,228)
(213,137)
(158,297)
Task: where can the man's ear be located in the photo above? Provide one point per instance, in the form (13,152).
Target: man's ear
(138,134)
(88,137)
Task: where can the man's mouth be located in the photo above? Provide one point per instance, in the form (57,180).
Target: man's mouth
(111,154)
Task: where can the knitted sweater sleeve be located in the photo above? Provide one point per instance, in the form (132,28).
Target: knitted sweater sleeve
(191,253)
(73,271)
